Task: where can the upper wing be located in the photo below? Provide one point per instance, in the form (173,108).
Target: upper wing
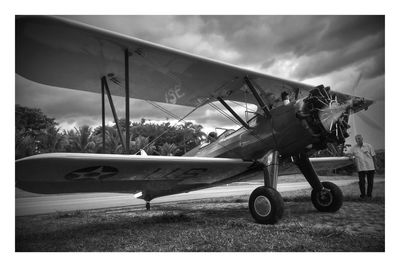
(58,52)
(153,175)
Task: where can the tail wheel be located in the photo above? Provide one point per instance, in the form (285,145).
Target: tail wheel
(266,205)
(329,199)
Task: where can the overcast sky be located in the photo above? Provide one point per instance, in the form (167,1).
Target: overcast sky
(345,52)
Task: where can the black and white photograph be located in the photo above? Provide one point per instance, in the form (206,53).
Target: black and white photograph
(200,133)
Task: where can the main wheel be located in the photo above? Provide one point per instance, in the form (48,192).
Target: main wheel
(329,199)
(266,205)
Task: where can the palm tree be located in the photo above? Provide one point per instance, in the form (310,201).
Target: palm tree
(112,140)
(192,135)
(168,149)
(81,140)
(25,144)
(142,143)
(51,140)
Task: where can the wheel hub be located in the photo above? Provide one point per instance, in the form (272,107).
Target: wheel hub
(262,206)
(325,197)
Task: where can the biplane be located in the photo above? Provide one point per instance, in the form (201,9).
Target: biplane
(278,139)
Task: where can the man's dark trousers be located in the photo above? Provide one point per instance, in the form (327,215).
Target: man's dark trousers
(370,180)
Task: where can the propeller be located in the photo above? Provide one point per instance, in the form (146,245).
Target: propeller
(362,116)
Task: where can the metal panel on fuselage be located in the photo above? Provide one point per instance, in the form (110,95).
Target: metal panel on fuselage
(290,135)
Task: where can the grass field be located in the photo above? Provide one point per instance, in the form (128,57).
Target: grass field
(222,224)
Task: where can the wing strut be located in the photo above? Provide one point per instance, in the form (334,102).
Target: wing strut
(103,116)
(127,122)
(257,96)
(233,113)
(104,87)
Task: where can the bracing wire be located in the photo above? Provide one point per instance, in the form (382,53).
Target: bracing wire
(181,119)
(221,111)
(226,115)
(163,109)
(245,100)
(243,106)
(231,118)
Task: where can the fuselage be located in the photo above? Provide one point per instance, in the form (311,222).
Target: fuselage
(282,131)
(302,126)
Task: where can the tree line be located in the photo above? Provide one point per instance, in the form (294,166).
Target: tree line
(36,133)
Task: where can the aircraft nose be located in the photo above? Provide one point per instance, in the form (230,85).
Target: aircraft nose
(360,103)
(368,103)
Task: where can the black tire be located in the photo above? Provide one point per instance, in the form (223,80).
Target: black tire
(330,199)
(266,205)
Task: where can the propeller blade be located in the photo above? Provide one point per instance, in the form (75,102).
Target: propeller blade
(370,122)
(355,86)
(357,82)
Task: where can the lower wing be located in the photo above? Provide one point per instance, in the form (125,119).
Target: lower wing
(153,176)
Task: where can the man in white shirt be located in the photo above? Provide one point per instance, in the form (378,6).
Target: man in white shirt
(285,98)
(364,156)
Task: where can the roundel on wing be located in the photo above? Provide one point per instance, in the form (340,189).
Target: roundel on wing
(92,173)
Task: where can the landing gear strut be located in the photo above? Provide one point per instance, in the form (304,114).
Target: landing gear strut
(265,203)
(325,196)
(147,205)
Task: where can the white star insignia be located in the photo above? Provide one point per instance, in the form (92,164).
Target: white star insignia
(96,174)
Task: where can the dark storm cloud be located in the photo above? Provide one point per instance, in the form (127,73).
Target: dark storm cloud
(332,42)
(370,48)
(375,66)
(321,43)
(312,34)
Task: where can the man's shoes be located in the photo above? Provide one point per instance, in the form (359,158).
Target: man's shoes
(362,196)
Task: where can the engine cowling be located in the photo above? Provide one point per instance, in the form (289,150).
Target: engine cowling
(325,116)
